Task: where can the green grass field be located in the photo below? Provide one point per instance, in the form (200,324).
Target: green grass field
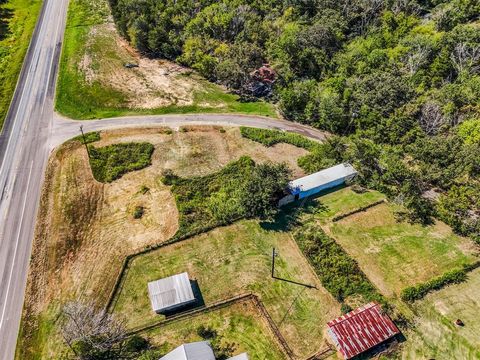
(343,201)
(240,324)
(80,99)
(394,254)
(435,335)
(17,21)
(230,261)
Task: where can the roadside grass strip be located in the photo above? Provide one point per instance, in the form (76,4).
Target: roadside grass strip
(17,22)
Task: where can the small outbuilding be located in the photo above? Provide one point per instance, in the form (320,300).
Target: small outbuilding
(171,293)
(318,182)
(361,330)
(197,351)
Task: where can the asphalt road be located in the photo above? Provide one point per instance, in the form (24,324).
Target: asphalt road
(31,131)
(23,156)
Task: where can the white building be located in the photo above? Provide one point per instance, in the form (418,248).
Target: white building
(171,293)
(318,182)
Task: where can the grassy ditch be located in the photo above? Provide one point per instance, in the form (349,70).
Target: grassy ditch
(93,82)
(111,162)
(17,22)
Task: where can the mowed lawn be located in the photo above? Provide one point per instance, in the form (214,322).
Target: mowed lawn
(435,335)
(234,260)
(240,324)
(342,201)
(394,254)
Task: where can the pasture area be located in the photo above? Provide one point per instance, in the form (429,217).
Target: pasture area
(435,335)
(234,260)
(240,324)
(396,254)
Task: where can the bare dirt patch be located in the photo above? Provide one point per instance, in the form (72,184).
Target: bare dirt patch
(153,84)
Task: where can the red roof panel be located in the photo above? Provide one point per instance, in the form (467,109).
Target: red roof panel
(361,329)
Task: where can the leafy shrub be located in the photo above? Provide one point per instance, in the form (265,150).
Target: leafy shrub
(338,272)
(273,137)
(138,212)
(206,333)
(469,131)
(242,189)
(90,137)
(417,292)
(136,344)
(345,308)
(111,162)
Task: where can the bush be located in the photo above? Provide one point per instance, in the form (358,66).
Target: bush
(111,162)
(206,333)
(138,212)
(273,137)
(242,189)
(90,137)
(136,344)
(417,292)
(338,272)
(345,308)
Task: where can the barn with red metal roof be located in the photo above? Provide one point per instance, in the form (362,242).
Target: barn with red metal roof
(361,330)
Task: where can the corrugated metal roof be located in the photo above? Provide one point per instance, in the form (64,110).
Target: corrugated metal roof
(323,177)
(170,292)
(243,356)
(361,330)
(194,351)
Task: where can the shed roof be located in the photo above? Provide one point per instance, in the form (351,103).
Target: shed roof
(197,351)
(170,292)
(243,356)
(323,177)
(361,330)
(194,351)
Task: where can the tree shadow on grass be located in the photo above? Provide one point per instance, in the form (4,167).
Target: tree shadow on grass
(290,216)
(5,16)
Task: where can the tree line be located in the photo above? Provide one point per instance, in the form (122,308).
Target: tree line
(398,81)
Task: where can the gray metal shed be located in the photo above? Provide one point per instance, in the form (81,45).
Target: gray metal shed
(171,293)
(318,182)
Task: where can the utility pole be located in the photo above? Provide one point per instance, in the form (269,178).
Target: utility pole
(85,141)
(273,262)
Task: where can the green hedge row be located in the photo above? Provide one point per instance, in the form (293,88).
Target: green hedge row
(272,137)
(338,272)
(417,292)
